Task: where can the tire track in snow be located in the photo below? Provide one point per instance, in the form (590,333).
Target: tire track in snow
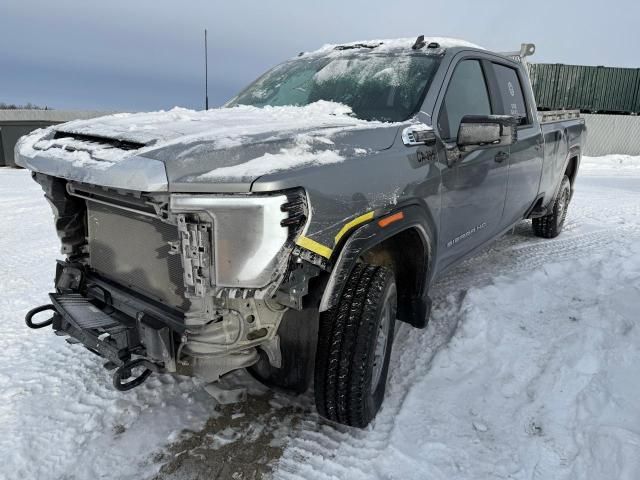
(320,450)
(512,256)
(309,453)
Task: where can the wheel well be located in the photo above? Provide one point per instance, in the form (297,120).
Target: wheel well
(405,254)
(572,169)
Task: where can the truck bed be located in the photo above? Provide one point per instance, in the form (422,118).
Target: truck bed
(562,130)
(557,115)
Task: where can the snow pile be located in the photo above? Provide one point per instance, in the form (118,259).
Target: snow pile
(528,368)
(611,162)
(394,45)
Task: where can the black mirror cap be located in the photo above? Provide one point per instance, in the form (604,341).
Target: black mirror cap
(484,130)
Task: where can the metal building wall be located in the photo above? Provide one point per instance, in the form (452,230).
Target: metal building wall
(9,135)
(16,123)
(612,134)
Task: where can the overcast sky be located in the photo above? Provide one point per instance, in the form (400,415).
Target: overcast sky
(148,54)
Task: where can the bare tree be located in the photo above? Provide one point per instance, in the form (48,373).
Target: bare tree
(28,106)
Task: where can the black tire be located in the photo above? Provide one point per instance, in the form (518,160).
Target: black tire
(551,225)
(354,347)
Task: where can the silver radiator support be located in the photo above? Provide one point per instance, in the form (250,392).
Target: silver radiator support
(134,250)
(172,261)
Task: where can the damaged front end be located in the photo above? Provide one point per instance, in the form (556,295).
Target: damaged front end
(175,283)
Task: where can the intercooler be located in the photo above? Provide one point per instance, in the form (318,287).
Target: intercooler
(133,250)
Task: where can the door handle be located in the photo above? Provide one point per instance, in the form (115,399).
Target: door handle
(501,157)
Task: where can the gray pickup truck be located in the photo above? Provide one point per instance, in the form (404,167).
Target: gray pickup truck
(288,231)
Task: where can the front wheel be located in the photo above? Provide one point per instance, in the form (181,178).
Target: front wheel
(551,225)
(354,347)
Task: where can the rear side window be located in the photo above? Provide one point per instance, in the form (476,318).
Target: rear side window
(510,92)
(467,94)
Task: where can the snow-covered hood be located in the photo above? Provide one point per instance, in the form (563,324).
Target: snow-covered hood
(226,148)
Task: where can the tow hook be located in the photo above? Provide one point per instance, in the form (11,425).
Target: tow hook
(28,318)
(124,372)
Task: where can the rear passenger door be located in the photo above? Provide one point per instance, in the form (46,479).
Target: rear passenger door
(474,185)
(526,155)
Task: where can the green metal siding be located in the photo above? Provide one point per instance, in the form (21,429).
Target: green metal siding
(544,79)
(586,88)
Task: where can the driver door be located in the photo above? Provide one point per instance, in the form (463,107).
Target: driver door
(474,184)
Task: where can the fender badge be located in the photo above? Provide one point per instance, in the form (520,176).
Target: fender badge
(421,157)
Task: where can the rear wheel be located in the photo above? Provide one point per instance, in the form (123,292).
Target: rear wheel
(551,225)
(354,347)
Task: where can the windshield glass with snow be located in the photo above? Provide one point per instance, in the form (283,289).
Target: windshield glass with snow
(377,87)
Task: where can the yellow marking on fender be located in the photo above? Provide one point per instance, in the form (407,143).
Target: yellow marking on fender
(315,247)
(355,222)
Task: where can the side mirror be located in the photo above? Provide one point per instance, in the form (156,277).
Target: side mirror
(477,131)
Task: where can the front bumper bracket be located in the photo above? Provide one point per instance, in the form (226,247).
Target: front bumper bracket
(100,332)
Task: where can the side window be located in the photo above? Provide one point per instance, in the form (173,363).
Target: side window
(467,94)
(510,92)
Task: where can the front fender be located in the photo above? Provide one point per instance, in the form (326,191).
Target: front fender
(372,234)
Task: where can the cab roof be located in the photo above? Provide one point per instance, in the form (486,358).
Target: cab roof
(395,45)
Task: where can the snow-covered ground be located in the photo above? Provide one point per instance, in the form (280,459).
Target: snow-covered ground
(528,369)
(59,415)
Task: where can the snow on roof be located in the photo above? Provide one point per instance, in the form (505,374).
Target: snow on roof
(391,45)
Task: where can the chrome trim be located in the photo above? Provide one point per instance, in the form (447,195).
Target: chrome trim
(410,133)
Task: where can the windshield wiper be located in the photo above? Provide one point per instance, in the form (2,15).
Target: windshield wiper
(357,45)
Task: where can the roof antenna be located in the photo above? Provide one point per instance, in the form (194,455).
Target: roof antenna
(206,73)
(419,43)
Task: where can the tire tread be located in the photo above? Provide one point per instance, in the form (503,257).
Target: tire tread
(344,354)
(549,226)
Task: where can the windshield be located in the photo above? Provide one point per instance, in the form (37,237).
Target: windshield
(388,88)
